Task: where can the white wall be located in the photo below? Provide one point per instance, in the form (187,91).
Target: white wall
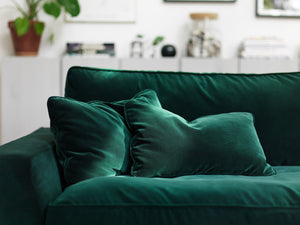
(155,17)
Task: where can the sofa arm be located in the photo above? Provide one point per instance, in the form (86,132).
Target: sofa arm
(29,178)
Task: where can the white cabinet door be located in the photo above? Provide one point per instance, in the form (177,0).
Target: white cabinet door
(268,65)
(26,84)
(159,64)
(211,65)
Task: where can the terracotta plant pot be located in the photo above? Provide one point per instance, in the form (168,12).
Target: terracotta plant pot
(27,44)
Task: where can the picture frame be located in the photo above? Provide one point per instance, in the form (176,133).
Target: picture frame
(199,0)
(105,11)
(278,8)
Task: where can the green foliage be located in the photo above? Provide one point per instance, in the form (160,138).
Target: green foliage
(22,25)
(157,40)
(50,7)
(71,6)
(39,28)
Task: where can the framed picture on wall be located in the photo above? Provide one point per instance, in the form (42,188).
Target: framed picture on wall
(200,0)
(278,8)
(106,11)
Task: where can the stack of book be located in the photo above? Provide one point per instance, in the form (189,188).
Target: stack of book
(105,49)
(264,47)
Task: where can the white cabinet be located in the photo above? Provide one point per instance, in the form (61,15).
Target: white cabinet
(160,64)
(26,84)
(268,65)
(213,65)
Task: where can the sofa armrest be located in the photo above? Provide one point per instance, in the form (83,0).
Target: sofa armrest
(29,178)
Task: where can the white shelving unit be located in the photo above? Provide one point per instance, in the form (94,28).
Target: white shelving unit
(268,65)
(26,84)
(160,64)
(214,65)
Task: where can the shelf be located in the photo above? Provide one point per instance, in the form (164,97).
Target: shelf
(268,65)
(161,64)
(214,65)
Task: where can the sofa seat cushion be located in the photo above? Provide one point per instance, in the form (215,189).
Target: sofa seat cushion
(197,199)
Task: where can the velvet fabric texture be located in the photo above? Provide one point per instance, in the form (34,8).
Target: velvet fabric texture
(166,145)
(29,178)
(271,98)
(188,200)
(91,138)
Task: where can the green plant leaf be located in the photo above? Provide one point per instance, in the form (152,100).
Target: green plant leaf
(52,8)
(71,6)
(22,25)
(61,2)
(157,40)
(39,28)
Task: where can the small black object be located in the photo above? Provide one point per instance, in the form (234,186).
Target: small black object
(168,51)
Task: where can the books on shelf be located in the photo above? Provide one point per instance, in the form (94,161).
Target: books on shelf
(264,47)
(85,49)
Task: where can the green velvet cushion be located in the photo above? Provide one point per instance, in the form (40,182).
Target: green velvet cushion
(185,200)
(166,145)
(92,138)
(271,98)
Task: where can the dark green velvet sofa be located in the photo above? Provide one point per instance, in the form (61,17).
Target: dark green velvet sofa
(34,191)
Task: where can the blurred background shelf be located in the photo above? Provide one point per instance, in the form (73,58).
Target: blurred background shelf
(213,65)
(162,64)
(268,65)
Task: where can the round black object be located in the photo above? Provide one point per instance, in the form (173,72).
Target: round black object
(168,51)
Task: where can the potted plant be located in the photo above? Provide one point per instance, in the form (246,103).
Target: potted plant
(26,30)
(157,40)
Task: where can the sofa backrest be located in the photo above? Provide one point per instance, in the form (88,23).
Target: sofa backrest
(273,99)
